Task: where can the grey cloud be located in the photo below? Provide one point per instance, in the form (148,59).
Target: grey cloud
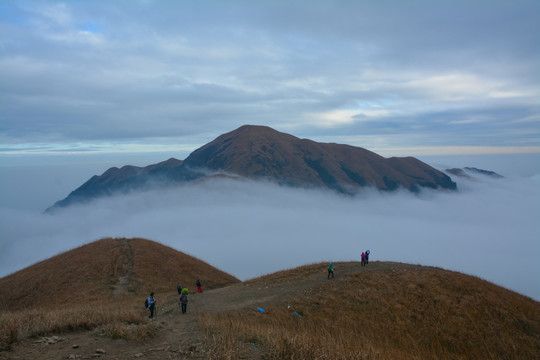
(161,69)
(249,229)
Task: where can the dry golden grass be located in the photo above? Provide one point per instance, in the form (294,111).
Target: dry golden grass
(125,319)
(80,275)
(90,273)
(405,312)
(159,268)
(384,311)
(79,289)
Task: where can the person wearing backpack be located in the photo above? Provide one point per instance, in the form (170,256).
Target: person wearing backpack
(179,288)
(183,300)
(151,305)
(198,283)
(330,270)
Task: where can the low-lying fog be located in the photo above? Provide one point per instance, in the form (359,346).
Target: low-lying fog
(489,228)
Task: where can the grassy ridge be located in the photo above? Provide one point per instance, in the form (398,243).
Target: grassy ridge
(383,311)
(83,274)
(80,289)
(91,273)
(405,312)
(159,268)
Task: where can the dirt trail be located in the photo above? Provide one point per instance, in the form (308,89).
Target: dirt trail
(121,287)
(179,336)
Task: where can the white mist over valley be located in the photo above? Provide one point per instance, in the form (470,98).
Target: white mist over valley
(488,228)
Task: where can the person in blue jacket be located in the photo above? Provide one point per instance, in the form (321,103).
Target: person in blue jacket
(152,305)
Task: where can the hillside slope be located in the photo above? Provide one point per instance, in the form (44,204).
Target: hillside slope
(383,311)
(105,269)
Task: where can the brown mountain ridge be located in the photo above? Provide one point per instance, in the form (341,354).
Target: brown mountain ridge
(262,153)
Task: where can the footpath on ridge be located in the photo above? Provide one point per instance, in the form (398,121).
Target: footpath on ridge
(179,336)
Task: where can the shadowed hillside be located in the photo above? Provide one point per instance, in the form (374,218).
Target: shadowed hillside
(127,178)
(105,269)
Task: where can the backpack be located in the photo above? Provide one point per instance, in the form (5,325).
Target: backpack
(146,303)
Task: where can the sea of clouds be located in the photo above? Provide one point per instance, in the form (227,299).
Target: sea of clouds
(488,228)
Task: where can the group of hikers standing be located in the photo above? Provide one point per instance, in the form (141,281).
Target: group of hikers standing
(364,257)
(183,299)
(183,295)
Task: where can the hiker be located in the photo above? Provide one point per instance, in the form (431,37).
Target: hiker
(198,283)
(151,305)
(367,256)
(330,270)
(363,257)
(179,289)
(183,300)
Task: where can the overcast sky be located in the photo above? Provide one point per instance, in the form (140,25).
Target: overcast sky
(397,77)
(87,85)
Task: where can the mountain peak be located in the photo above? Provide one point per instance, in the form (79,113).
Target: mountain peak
(262,153)
(255,134)
(254,129)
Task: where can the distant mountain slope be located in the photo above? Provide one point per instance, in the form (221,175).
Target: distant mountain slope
(472,170)
(127,178)
(104,269)
(260,152)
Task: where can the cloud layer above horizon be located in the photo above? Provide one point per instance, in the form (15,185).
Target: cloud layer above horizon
(89,76)
(489,228)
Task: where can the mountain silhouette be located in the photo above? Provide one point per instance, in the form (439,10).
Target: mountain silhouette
(127,178)
(472,170)
(262,153)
